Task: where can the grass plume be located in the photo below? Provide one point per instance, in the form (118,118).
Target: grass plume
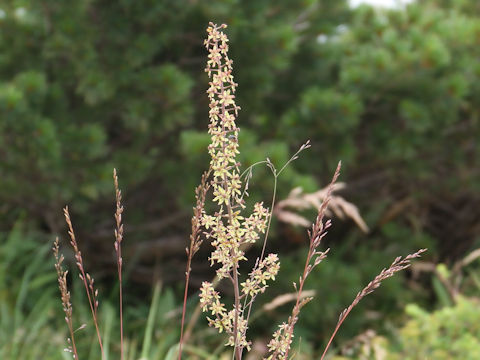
(87,280)
(118,251)
(195,242)
(397,265)
(65,297)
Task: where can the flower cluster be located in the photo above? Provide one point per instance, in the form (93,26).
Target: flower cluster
(266,270)
(280,342)
(223,320)
(223,111)
(227,229)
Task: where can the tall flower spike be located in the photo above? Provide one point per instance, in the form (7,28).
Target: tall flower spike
(223,111)
(226,228)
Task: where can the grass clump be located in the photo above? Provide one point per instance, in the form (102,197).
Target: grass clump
(231,229)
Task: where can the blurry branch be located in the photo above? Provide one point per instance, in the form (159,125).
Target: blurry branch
(467,260)
(156,226)
(451,279)
(287,210)
(286,298)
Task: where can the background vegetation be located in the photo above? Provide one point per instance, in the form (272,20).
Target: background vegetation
(395,94)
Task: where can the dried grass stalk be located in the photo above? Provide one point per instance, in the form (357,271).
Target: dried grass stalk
(195,242)
(118,251)
(397,265)
(65,296)
(280,343)
(88,281)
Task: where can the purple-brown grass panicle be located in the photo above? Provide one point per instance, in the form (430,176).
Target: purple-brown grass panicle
(279,345)
(88,281)
(65,296)
(228,230)
(118,251)
(195,242)
(397,265)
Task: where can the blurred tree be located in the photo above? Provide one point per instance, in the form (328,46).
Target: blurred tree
(400,107)
(393,93)
(88,86)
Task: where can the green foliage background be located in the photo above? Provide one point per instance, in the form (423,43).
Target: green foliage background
(91,85)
